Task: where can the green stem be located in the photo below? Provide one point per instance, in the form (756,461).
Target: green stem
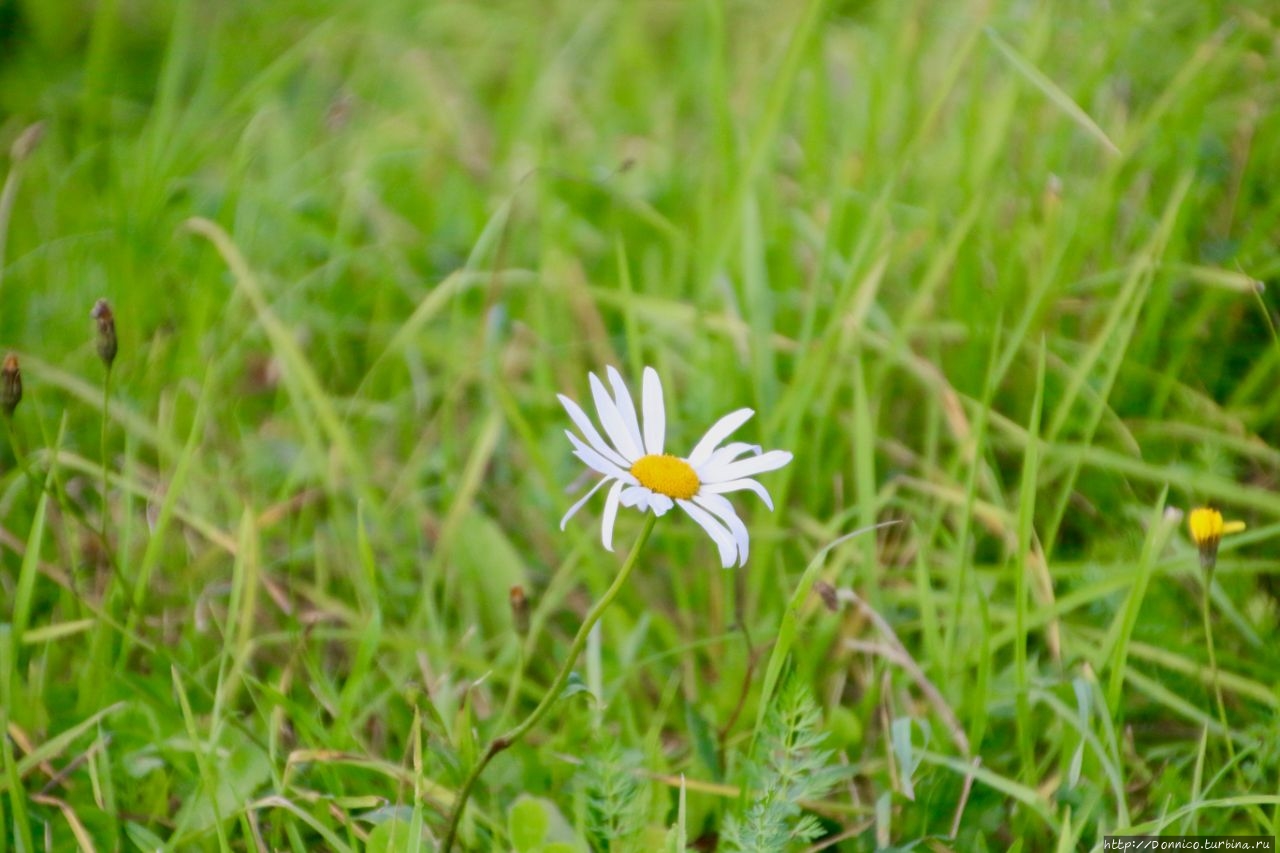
(1213,667)
(106,401)
(517,734)
(17,450)
(55,490)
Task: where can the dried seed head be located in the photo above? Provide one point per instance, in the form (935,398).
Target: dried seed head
(10,384)
(520,609)
(828,594)
(106,331)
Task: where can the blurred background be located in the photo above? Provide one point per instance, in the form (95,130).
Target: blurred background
(999,270)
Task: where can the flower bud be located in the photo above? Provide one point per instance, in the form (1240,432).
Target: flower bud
(10,384)
(519,610)
(828,594)
(106,331)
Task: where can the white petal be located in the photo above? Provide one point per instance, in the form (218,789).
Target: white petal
(737,486)
(722,429)
(770,461)
(635,496)
(614,427)
(730,452)
(655,413)
(610,513)
(722,537)
(626,408)
(568,515)
(595,461)
(583,423)
(723,510)
(660,504)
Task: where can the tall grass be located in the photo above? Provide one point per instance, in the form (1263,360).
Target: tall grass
(991,270)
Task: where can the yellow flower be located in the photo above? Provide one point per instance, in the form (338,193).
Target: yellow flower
(1207,529)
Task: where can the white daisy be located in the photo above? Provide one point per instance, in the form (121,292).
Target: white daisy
(645,477)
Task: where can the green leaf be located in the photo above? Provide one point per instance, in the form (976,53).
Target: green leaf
(527,824)
(704,742)
(386,814)
(677,837)
(485,554)
(144,838)
(575,685)
(791,618)
(844,726)
(394,835)
(244,769)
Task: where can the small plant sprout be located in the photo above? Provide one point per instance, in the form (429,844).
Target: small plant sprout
(644,476)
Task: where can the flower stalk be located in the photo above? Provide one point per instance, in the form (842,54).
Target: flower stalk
(107,346)
(1207,529)
(515,735)
(1213,665)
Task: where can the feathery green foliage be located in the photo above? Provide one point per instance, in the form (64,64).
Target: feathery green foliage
(618,799)
(788,766)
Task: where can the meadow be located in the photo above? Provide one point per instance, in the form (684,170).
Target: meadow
(1000,274)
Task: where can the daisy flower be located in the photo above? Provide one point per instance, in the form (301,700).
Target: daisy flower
(644,476)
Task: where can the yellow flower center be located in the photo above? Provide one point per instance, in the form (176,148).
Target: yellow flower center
(666,475)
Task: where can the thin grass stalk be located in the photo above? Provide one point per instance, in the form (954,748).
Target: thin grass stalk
(106,400)
(16,447)
(1254,809)
(1022,565)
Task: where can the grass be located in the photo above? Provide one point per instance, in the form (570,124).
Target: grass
(993,271)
